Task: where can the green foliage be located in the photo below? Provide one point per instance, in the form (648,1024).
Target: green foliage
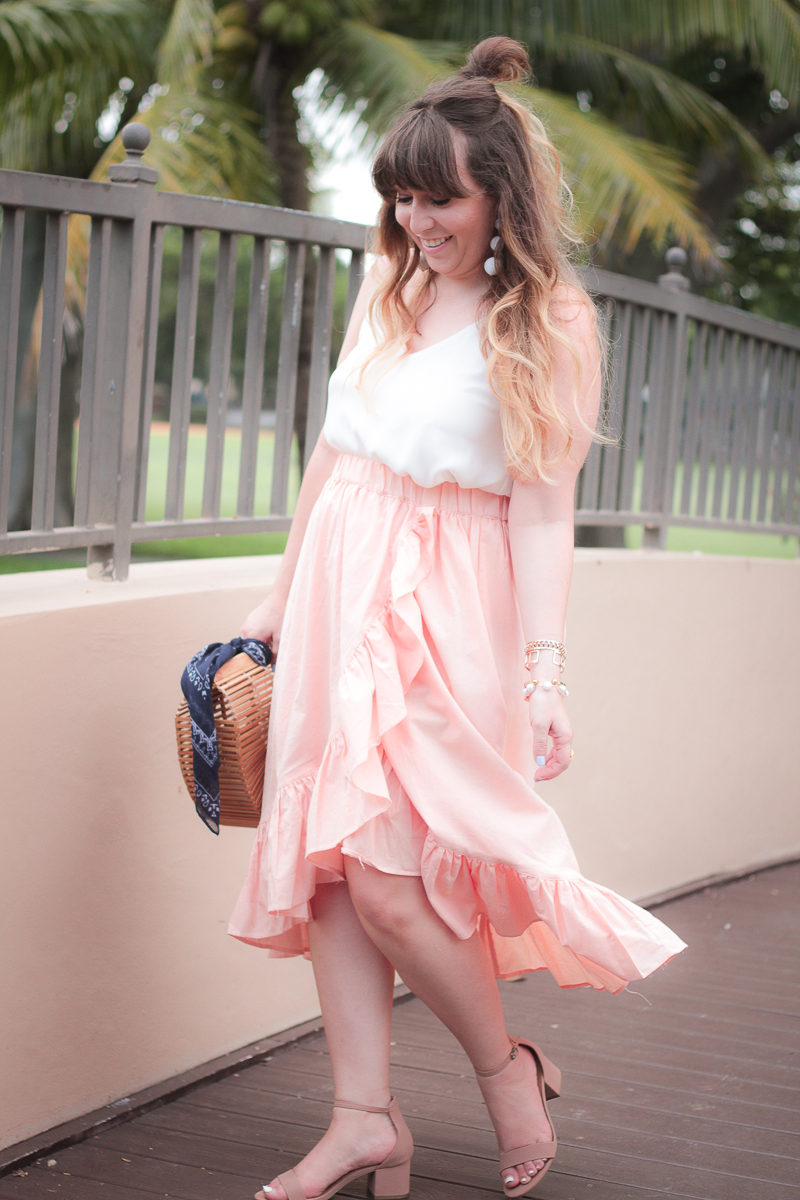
(205,311)
(186,43)
(761,246)
(647,66)
(234,42)
(626,188)
(625,86)
(60,62)
(63,63)
(767,32)
(199,145)
(47,38)
(237,13)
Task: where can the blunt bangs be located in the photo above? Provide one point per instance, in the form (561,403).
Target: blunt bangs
(418,154)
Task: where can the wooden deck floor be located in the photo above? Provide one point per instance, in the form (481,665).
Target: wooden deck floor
(687,1086)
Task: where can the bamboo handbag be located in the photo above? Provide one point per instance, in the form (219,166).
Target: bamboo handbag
(241,695)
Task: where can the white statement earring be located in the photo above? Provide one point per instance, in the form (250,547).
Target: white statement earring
(490,266)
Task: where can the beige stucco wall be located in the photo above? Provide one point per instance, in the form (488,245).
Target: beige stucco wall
(116,969)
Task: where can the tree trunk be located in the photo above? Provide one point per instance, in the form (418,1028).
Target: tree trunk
(24,444)
(19,511)
(293,161)
(274,78)
(25,387)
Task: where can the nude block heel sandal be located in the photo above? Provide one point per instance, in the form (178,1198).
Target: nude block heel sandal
(548,1080)
(388,1180)
(390,1183)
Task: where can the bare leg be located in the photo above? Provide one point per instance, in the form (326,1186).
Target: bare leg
(355,984)
(455,979)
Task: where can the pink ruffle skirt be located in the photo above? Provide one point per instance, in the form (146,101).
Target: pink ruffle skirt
(399,737)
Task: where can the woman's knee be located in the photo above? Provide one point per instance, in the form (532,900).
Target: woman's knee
(389,904)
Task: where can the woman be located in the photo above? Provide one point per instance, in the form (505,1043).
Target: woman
(429,556)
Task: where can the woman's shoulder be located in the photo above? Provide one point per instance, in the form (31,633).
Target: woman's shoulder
(369,285)
(376,277)
(573,318)
(577,354)
(571,309)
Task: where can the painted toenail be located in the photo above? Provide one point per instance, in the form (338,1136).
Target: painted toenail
(509,1179)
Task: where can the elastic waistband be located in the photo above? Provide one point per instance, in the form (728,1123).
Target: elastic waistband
(445,497)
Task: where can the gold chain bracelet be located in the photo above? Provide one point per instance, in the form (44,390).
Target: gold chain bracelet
(532,653)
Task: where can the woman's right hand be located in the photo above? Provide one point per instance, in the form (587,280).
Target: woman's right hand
(264,622)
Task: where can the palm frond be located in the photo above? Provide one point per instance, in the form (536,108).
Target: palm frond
(373,73)
(625,188)
(766,31)
(30,137)
(187,39)
(220,155)
(51,37)
(203,144)
(669,108)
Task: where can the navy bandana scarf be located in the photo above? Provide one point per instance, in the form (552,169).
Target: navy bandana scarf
(196,684)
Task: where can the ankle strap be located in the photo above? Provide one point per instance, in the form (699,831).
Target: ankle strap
(370,1108)
(512,1054)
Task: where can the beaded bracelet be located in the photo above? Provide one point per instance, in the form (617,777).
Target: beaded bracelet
(532,653)
(546,685)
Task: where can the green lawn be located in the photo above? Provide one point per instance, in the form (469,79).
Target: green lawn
(213,547)
(720,541)
(679,539)
(195,466)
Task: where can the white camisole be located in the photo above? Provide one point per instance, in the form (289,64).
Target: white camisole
(430,415)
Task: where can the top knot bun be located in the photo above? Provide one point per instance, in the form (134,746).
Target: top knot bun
(500,59)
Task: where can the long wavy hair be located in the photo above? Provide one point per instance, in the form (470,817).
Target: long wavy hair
(510,156)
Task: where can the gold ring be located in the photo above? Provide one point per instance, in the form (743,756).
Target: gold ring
(571,755)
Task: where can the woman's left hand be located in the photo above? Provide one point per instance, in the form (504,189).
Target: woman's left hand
(552,734)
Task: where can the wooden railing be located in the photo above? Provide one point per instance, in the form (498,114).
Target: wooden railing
(95,278)
(704,403)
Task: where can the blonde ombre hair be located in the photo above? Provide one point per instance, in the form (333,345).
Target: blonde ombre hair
(510,156)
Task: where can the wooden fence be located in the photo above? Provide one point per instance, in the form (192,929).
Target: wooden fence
(120,304)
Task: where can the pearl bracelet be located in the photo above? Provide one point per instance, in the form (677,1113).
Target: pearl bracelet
(546,685)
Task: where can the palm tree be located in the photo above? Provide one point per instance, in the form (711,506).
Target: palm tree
(218,85)
(627,89)
(631,184)
(64,65)
(219,81)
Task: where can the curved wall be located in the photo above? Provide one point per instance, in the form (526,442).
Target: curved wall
(117,972)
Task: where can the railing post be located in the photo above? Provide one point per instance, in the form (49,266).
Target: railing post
(669,418)
(119,366)
(674,278)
